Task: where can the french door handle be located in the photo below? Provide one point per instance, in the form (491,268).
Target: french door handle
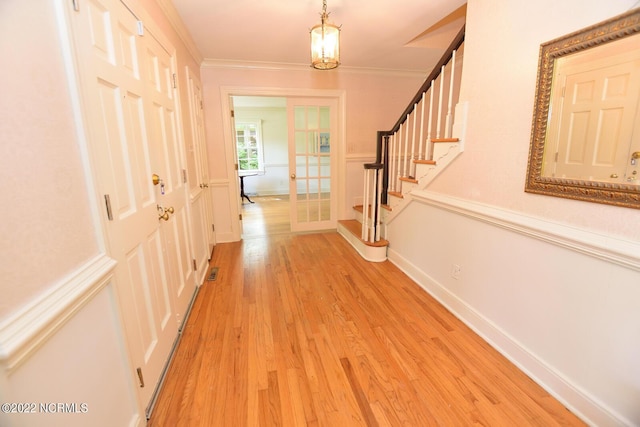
(293,176)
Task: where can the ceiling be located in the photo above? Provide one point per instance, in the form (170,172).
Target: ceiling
(408,35)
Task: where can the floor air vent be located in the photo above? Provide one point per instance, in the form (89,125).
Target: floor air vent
(213,274)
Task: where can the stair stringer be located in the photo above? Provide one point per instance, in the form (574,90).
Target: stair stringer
(425,175)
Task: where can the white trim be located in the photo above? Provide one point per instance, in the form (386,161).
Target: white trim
(257,65)
(577,400)
(177,24)
(361,158)
(369,253)
(608,248)
(23,332)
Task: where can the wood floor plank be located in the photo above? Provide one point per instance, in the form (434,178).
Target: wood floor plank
(299,330)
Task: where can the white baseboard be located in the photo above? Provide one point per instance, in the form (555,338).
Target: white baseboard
(578,400)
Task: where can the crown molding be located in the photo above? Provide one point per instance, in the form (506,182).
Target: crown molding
(176,22)
(282,66)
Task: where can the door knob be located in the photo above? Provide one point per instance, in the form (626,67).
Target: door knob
(170,210)
(155,178)
(635,155)
(164,216)
(293,176)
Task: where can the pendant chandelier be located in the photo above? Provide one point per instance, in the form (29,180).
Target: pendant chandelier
(325,43)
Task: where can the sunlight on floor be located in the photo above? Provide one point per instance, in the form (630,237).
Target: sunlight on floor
(268,215)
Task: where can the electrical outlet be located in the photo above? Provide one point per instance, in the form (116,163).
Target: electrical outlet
(455,271)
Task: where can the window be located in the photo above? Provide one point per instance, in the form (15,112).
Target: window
(249,146)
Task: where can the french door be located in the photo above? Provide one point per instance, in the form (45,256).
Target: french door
(129,101)
(312,130)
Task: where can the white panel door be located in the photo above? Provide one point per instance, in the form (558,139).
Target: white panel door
(313,124)
(200,194)
(168,162)
(132,134)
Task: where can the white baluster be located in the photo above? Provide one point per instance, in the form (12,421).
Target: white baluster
(405,169)
(440,102)
(372,199)
(365,204)
(448,128)
(420,141)
(392,152)
(412,165)
(430,122)
(399,169)
(378,211)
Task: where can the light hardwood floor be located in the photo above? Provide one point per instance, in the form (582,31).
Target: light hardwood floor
(298,330)
(268,215)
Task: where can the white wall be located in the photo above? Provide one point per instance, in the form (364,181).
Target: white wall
(553,283)
(373,102)
(60,338)
(275,180)
(47,210)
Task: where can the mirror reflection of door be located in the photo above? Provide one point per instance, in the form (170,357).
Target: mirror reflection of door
(593,113)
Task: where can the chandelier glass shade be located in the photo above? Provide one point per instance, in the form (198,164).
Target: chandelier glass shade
(325,43)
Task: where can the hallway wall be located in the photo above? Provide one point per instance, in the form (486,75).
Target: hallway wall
(553,283)
(60,336)
(373,101)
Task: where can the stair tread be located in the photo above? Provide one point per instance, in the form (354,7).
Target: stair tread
(425,162)
(445,140)
(355,228)
(409,179)
(396,194)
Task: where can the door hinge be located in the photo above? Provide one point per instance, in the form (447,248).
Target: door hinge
(140,377)
(240,217)
(201,106)
(556,157)
(76,5)
(140,28)
(175,81)
(233,114)
(236,166)
(184,176)
(107,202)
(195,265)
(213,227)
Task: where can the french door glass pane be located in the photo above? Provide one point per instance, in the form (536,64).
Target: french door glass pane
(313,171)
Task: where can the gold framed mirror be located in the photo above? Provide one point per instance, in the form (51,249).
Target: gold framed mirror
(585,137)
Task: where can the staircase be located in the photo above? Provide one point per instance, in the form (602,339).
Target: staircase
(418,148)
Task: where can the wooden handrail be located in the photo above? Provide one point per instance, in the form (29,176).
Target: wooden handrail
(455,44)
(376,183)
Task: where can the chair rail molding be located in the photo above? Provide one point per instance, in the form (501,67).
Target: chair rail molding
(23,332)
(607,248)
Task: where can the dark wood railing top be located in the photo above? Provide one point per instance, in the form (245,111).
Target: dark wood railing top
(446,57)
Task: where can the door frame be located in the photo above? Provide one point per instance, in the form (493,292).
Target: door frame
(226,92)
